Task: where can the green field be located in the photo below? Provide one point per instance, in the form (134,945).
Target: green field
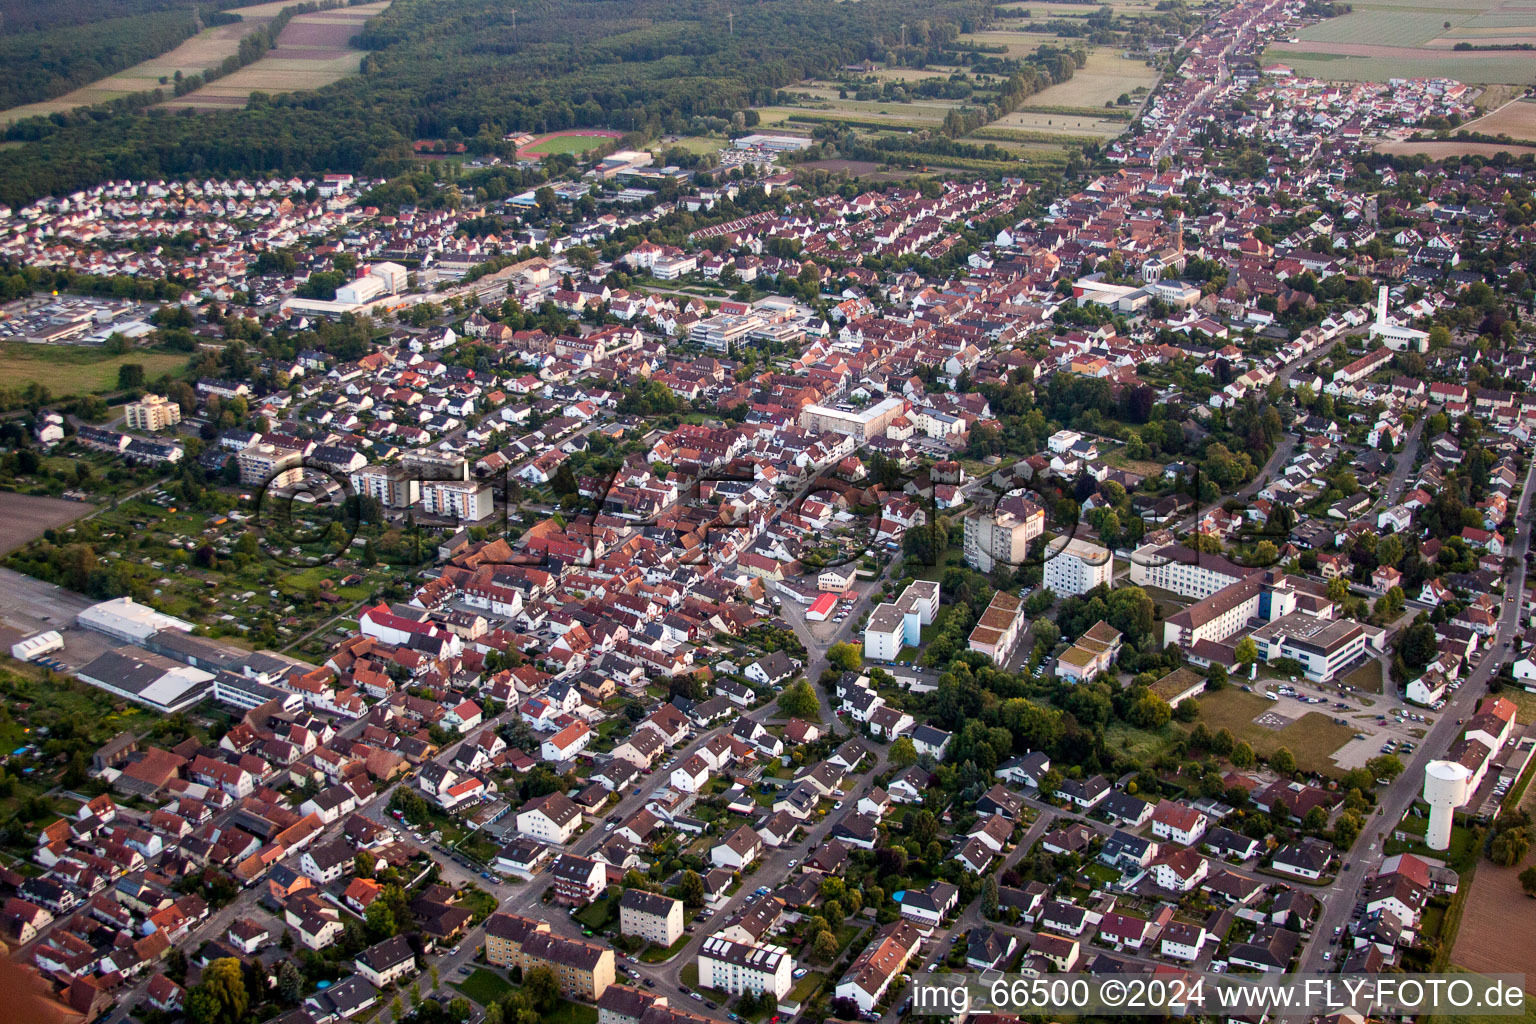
(575,144)
(75,369)
(483,986)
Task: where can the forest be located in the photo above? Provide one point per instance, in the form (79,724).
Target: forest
(461,70)
(47,63)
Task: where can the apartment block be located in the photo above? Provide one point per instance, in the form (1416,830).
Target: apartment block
(1002,535)
(151,413)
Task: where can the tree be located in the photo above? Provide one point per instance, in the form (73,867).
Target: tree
(1338,589)
(1242,755)
(1283,761)
(1246,652)
(1528,880)
(542,987)
(1509,847)
(460,1008)
(290,983)
(845,657)
(824,946)
(799,701)
(690,889)
(989,897)
(130,376)
(364,863)
(220,998)
(903,753)
(1387,766)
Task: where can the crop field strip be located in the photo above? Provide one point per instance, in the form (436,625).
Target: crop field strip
(312,52)
(1380,39)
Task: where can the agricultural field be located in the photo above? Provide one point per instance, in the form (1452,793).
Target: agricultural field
(24,517)
(313,51)
(1104,79)
(1381,39)
(76,369)
(1442,150)
(205,50)
(697,144)
(1516,119)
(1490,938)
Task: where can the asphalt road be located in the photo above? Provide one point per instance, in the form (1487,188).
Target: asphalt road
(1339,899)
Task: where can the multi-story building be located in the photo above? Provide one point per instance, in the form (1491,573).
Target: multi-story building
(578,879)
(737,967)
(584,969)
(1184,571)
(1323,646)
(899,623)
(1077,566)
(997,631)
(465,501)
(881,962)
(1002,535)
(263,464)
(861,423)
(386,962)
(151,413)
(650,916)
(391,486)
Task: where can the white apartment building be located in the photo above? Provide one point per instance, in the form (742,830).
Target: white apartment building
(1183,571)
(262,464)
(736,967)
(467,501)
(151,413)
(1076,566)
(883,633)
(650,916)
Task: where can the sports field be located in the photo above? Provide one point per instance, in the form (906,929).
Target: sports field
(577,142)
(313,51)
(1381,39)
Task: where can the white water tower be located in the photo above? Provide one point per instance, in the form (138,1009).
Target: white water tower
(1447,786)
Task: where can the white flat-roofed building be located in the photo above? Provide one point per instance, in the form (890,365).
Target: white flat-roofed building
(736,967)
(126,619)
(884,632)
(468,501)
(861,423)
(37,646)
(997,631)
(1323,646)
(151,413)
(1076,566)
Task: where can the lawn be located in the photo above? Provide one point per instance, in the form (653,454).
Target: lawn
(807,987)
(567,1012)
(599,914)
(654,954)
(77,369)
(1312,738)
(1366,678)
(576,144)
(483,986)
